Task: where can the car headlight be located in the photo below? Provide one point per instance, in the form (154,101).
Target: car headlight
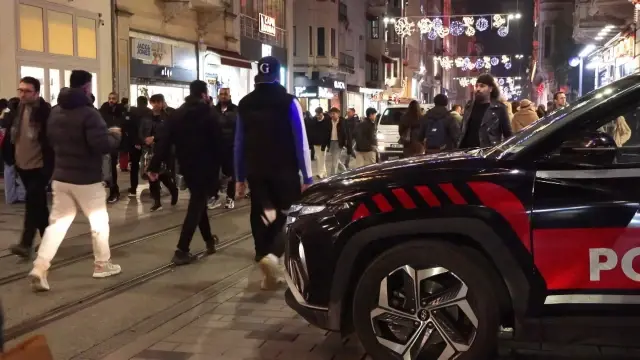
(380,136)
(300,210)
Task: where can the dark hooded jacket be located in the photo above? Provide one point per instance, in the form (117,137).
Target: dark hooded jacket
(114,116)
(194,130)
(39,117)
(80,138)
(450,125)
(133,125)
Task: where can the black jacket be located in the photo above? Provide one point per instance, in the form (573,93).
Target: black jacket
(115,116)
(194,130)
(494,128)
(451,126)
(365,136)
(40,118)
(228,123)
(345,135)
(319,131)
(80,138)
(131,128)
(352,122)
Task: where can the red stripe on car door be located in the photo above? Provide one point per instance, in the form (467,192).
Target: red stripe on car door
(453,194)
(507,204)
(361,212)
(382,203)
(428,195)
(404,198)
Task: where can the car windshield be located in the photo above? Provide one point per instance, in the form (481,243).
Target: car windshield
(556,119)
(392,116)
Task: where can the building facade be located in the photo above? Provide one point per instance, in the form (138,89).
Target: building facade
(352,51)
(49,39)
(164,45)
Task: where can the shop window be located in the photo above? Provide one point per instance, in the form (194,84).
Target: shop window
(31,28)
(333,42)
(54,86)
(60,26)
(374,71)
(321,46)
(67,76)
(87,46)
(35,72)
(94,88)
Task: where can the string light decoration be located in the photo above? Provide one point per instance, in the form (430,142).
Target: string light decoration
(504,82)
(474,62)
(433,26)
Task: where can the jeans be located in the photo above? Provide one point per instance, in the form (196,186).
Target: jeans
(168,180)
(113,186)
(335,153)
(66,199)
(134,157)
(321,158)
(37,209)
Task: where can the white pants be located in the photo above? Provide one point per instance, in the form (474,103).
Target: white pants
(321,158)
(92,200)
(365,158)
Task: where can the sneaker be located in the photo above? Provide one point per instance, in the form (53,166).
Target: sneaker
(38,279)
(156,207)
(21,251)
(113,198)
(132,193)
(248,196)
(214,203)
(183,258)
(211,245)
(105,269)
(230,204)
(272,276)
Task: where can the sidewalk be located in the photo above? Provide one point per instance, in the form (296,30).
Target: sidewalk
(244,322)
(124,212)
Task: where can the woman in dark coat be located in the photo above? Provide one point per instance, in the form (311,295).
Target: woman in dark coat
(409,130)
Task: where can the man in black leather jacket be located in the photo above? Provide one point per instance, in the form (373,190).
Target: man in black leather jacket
(485,122)
(113,114)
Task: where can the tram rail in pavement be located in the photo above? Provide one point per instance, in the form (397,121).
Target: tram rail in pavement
(17,276)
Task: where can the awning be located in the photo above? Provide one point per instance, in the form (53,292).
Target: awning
(231,58)
(386,59)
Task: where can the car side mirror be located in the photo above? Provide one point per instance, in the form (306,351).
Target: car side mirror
(594,148)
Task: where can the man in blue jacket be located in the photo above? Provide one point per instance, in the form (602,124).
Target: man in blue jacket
(271,149)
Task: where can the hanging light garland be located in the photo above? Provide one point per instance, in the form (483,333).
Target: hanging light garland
(433,26)
(504,82)
(475,62)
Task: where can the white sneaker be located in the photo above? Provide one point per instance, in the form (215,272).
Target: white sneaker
(38,279)
(214,203)
(272,274)
(230,204)
(105,269)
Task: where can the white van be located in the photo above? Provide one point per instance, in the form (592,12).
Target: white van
(388,133)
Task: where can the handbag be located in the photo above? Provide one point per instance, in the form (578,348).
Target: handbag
(35,348)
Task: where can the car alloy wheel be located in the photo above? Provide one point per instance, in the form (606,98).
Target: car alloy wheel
(427,300)
(424,312)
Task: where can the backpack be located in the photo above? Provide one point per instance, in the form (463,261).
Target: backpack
(435,134)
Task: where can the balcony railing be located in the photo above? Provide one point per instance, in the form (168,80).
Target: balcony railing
(347,62)
(249,27)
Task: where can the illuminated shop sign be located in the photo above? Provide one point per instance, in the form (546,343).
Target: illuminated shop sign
(267,25)
(339,85)
(313,92)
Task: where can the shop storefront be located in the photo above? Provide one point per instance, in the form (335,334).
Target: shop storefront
(320,93)
(226,69)
(616,60)
(48,40)
(355,99)
(162,66)
(373,99)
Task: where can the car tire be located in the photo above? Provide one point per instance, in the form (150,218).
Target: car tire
(468,265)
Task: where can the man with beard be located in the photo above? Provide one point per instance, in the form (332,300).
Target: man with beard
(194,130)
(485,122)
(271,149)
(440,131)
(114,114)
(27,147)
(228,114)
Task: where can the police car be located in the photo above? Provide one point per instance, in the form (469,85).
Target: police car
(387,131)
(437,257)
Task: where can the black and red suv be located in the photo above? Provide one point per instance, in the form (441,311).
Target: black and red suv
(434,257)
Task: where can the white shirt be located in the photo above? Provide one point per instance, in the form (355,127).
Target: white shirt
(334,130)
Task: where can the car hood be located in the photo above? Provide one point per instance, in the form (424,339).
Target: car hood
(410,171)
